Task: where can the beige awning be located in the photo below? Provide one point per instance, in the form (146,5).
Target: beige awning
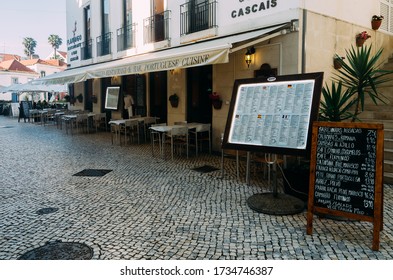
(197,54)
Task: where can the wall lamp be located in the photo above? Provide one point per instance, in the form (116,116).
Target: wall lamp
(248,56)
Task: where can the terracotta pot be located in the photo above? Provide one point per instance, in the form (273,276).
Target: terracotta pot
(174,103)
(375,24)
(337,63)
(360,42)
(217,104)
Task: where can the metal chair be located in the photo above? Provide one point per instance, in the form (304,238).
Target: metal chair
(99,120)
(155,136)
(130,128)
(178,138)
(202,134)
(81,122)
(148,121)
(115,131)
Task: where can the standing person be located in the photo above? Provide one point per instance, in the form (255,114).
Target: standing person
(128,103)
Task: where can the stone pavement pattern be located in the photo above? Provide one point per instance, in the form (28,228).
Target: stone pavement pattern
(150,208)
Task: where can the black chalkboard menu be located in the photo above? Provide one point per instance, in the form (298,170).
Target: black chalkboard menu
(346,170)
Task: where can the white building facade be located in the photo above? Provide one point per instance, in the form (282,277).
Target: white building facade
(155,48)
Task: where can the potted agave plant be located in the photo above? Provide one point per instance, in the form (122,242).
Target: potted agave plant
(376,22)
(358,78)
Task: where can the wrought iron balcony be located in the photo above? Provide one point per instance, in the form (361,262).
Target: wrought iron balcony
(197,17)
(86,49)
(126,37)
(104,44)
(156,28)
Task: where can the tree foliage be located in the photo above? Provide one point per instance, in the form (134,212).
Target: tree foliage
(30,44)
(55,41)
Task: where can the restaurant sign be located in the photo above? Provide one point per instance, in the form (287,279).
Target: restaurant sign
(137,66)
(253,8)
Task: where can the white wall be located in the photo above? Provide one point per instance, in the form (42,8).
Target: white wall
(353,11)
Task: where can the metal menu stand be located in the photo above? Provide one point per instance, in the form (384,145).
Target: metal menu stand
(274,115)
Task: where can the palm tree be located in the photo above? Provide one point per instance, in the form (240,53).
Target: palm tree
(30,44)
(55,41)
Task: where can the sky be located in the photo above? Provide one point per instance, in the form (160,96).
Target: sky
(31,18)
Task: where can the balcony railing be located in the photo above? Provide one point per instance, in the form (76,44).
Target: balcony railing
(86,49)
(197,17)
(156,28)
(104,44)
(126,37)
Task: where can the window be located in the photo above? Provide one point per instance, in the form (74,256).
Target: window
(87,18)
(127,20)
(159,20)
(104,41)
(105,16)
(386,7)
(197,15)
(156,27)
(125,34)
(86,49)
(14,81)
(42,74)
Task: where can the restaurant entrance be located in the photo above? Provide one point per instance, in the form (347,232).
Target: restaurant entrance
(158,95)
(199,86)
(88,95)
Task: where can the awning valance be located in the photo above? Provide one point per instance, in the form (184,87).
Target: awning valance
(197,54)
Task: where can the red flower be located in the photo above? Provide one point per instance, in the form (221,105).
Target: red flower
(214,96)
(363,35)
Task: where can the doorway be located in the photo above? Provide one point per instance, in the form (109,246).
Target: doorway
(158,94)
(88,95)
(199,86)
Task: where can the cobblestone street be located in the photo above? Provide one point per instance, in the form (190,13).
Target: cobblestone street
(150,208)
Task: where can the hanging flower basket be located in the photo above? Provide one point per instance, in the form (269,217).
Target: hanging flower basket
(217,104)
(360,42)
(376,22)
(174,100)
(80,98)
(361,38)
(216,100)
(337,62)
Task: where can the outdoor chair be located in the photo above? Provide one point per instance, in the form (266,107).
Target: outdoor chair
(99,121)
(177,138)
(201,134)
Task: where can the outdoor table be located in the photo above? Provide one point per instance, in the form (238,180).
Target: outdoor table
(163,129)
(121,122)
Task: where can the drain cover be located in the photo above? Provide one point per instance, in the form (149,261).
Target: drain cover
(47,210)
(205,169)
(59,251)
(93,172)
(279,204)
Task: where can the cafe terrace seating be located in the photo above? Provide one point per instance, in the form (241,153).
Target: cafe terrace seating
(130,128)
(99,121)
(155,137)
(178,139)
(201,134)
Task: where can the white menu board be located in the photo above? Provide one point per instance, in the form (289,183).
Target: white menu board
(112,98)
(275,113)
